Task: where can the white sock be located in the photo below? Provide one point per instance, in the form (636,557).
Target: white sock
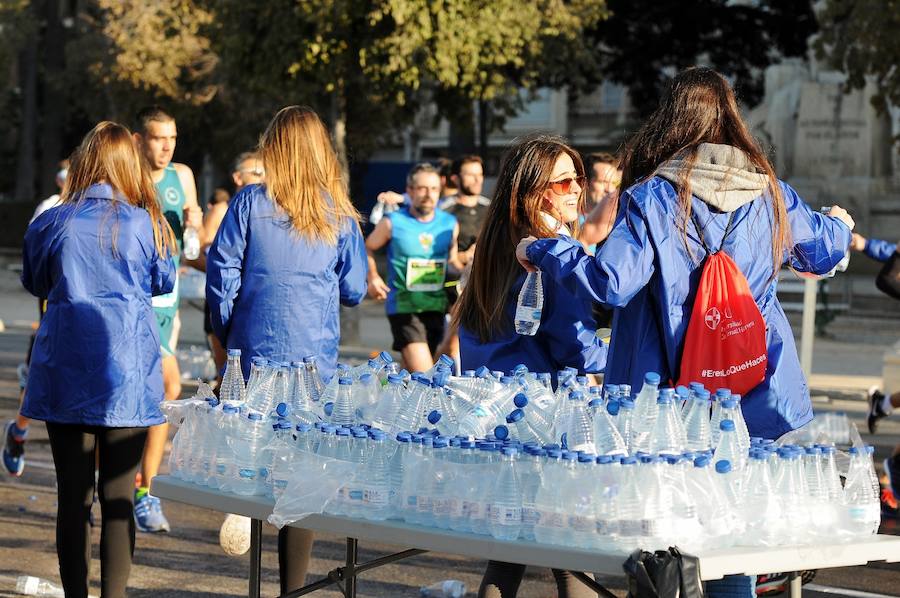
(886,404)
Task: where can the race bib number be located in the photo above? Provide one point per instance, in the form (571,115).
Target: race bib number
(425,275)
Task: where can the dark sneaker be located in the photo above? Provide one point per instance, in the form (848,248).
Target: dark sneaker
(13,452)
(875,410)
(148,515)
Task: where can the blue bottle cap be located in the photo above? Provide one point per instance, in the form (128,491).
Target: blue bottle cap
(647,459)
(507,379)
(234,352)
(455,442)
(360,433)
(342,432)
(385,357)
(516,415)
(582,380)
(701,394)
(395,379)
(282,409)
(520,400)
(586,458)
(576,395)
(404,437)
(501,432)
(365,378)
(701,461)
(723,393)
(604,459)
(726,425)
(440,379)
(683,392)
(467,444)
(665,396)
(570,455)
(483,372)
(434,417)
(378,437)
(468,374)
(258,360)
(651,378)
(723,466)
(520,369)
(303,427)
(611,388)
(343,367)
(441,442)
(612,407)
(626,404)
(328,408)
(672,459)
(551,447)
(628,461)
(595,403)
(345,380)
(254,416)
(729,404)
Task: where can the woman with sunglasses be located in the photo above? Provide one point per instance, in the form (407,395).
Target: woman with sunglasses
(96,376)
(694,175)
(539,190)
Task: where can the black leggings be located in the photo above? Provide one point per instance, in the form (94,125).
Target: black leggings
(119,453)
(294,550)
(502,580)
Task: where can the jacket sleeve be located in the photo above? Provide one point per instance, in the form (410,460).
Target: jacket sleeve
(819,241)
(352,265)
(162,268)
(619,270)
(35,261)
(879,250)
(569,332)
(224,265)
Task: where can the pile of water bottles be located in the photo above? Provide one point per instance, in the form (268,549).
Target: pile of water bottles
(510,457)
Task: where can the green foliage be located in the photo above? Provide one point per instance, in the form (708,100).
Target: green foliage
(862,39)
(645,41)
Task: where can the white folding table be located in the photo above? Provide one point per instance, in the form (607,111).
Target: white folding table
(713,564)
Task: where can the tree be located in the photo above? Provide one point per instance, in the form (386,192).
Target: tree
(644,42)
(860,38)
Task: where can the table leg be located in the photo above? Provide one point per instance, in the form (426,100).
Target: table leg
(796,584)
(255,557)
(350,568)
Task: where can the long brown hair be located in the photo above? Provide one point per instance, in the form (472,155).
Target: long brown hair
(700,107)
(108,154)
(300,164)
(515,212)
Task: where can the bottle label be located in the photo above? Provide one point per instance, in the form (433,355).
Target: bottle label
(580,523)
(355,494)
(552,519)
(455,508)
(506,515)
(525,313)
(247,473)
(530,516)
(471,509)
(375,497)
(441,507)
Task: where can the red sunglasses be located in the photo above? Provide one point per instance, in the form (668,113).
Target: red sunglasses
(564,186)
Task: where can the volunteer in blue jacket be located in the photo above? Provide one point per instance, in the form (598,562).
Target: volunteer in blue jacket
(695,158)
(96,377)
(539,190)
(287,253)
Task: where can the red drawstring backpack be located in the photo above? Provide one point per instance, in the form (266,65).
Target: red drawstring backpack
(725,346)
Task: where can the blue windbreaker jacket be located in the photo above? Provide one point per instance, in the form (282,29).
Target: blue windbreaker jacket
(96,357)
(567,336)
(645,272)
(879,250)
(275,294)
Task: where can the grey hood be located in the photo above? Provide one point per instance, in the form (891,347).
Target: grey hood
(722,176)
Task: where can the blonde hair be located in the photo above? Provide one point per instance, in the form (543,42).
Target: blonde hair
(300,165)
(108,154)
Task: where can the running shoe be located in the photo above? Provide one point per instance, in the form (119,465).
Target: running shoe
(892,471)
(148,515)
(771,584)
(13,451)
(875,411)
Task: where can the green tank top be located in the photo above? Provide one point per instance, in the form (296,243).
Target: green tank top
(170,195)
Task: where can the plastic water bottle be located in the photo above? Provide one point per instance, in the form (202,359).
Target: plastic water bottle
(722,395)
(451,588)
(523,430)
(607,439)
(233,389)
(624,419)
(862,511)
(377,483)
(35,586)
(529,305)
(645,411)
(312,379)
(538,419)
(343,404)
(731,409)
(366,390)
(666,437)
(389,403)
(411,413)
(398,461)
(730,482)
(252,433)
(762,511)
(191,243)
(696,422)
(579,431)
(729,448)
